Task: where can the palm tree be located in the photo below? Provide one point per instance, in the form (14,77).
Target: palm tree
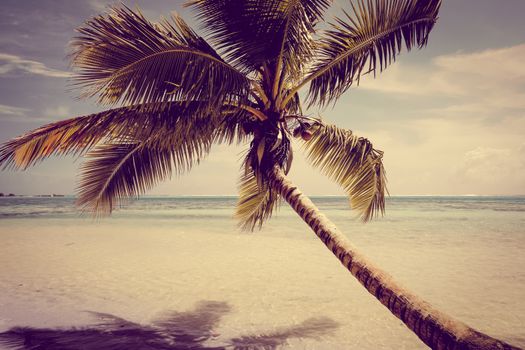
(173,96)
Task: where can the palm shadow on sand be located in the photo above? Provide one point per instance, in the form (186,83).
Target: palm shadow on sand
(174,330)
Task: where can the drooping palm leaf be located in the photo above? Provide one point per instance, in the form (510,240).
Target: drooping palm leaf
(257,198)
(257,201)
(353,163)
(78,135)
(370,38)
(115,171)
(268,148)
(119,171)
(123,57)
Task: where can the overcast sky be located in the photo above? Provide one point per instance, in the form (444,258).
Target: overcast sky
(450,118)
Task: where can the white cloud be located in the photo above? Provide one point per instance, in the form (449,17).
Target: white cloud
(490,167)
(450,156)
(497,64)
(457,125)
(12,64)
(20,114)
(58,112)
(100,5)
(12,111)
(483,81)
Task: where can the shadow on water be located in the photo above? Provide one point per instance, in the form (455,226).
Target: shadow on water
(174,330)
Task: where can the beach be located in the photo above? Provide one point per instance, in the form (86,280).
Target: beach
(177,272)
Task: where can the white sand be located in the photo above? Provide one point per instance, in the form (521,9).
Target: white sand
(51,274)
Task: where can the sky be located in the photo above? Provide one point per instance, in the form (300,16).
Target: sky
(450,118)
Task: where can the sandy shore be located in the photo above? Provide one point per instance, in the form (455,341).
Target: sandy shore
(173,287)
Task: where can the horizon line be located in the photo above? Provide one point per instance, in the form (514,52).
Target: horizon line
(55,195)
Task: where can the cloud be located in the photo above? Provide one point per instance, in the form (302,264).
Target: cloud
(58,112)
(451,126)
(100,5)
(12,64)
(450,156)
(501,167)
(477,82)
(12,111)
(20,114)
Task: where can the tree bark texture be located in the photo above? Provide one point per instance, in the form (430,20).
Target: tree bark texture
(434,328)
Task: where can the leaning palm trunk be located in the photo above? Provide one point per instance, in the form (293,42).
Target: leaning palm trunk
(434,328)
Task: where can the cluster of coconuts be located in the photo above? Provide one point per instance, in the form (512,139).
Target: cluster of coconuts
(304,131)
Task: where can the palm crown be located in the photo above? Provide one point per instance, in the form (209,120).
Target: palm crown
(174,95)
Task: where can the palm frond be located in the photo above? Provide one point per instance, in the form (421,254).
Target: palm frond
(294,105)
(115,171)
(257,198)
(295,35)
(257,201)
(353,163)
(123,57)
(120,171)
(78,135)
(235,27)
(254,32)
(374,34)
(270,146)
(236,126)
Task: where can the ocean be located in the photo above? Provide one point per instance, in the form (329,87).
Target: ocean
(180,266)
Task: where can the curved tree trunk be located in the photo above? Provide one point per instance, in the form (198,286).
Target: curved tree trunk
(437,330)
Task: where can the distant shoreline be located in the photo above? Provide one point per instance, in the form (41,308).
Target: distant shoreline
(311,196)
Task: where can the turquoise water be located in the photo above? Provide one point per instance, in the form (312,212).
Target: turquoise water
(408,208)
(407,217)
(465,255)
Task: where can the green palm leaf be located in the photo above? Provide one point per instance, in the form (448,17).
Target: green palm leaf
(124,58)
(78,135)
(235,127)
(257,198)
(236,28)
(257,32)
(352,162)
(257,201)
(372,37)
(120,170)
(296,20)
(115,171)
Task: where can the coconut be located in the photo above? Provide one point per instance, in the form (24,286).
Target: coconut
(306,135)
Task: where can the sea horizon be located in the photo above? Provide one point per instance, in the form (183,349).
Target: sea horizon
(236,196)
